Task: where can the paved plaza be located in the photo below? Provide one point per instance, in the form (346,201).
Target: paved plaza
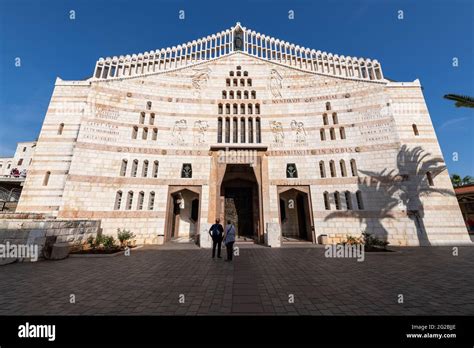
(259,281)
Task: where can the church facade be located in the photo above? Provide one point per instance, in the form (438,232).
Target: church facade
(289,143)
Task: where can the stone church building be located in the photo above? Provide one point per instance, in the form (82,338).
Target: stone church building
(290,143)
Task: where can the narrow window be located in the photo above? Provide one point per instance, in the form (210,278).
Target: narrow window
(118,200)
(227,129)
(242,109)
(155,169)
(152,119)
(134,132)
(242,129)
(322,133)
(250,125)
(123,168)
(239,95)
(353,167)
(342,164)
(250,110)
(60,129)
(235,82)
(154,134)
(151,201)
(328,106)
(231,95)
(429,178)
(234,109)
(347,196)
(332,134)
(220,109)
(145,133)
(231,73)
(360,204)
(337,200)
(145,169)
(141,197)
(142,118)
(257,109)
(253,94)
(242,82)
(234,129)
(239,73)
(327,206)
(342,133)
(134,168)
(219,130)
(334,118)
(415,129)
(258,130)
(129,200)
(249,82)
(325,119)
(227,109)
(322,169)
(148,105)
(20,162)
(46,178)
(332,169)
(246,73)
(224,95)
(227,82)
(246,94)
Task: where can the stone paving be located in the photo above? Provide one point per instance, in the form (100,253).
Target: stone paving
(259,281)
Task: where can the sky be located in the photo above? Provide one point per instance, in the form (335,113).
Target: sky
(423,45)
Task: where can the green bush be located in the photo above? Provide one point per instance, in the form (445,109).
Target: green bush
(371,242)
(352,240)
(109,242)
(124,236)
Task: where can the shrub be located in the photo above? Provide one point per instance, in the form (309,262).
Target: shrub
(124,236)
(352,240)
(109,242)
(372,242)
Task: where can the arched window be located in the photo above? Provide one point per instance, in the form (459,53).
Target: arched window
(123,168)
(332,133)
(155,169)
(60,129)
(239,95)
(227,109)
(20,162)
(332,168)
(234,130)
(246,94)
(250,110)
(322,133)
(250,126)
(242,129)
(219,130)
(227,82)
(151,200)
(145,169)
(129,200)
(353,167)
(322,169)
(342,133)
(235,82)
(224,94)
(234,109)
(118,200)
(152,119)
(134,132)
(141,120)
(257,109)
(220,109)
(242,82)
(360,204)
(246,73)
(239,73)
(429,178)
(46,178)
(328,106)
(347,196)
(249,82)
(242,109)
(325,119)
(141,197)
(227,129)
(415,129)
(334,118)
(337,200)
(342,164)
(145,133)
(148,105)
(231,95)
(231,73)
(253,94)
(327,205)
(258,130)
(134,168)
(155,134)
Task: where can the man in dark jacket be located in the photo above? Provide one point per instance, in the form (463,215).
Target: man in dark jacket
(215,232)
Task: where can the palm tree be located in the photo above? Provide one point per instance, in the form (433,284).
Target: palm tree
(456,180)
(461,100)
(467,180)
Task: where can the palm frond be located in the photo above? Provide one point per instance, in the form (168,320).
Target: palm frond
(461,100)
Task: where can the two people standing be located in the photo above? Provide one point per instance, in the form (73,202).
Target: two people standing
(216,232)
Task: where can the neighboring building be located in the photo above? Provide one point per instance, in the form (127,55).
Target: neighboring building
(287,142)
(465,196)
(20,161)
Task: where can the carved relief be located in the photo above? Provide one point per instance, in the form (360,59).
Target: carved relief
(275,83)
(277,131)
(199,79)
(300,133)
(199,131)
(178,131)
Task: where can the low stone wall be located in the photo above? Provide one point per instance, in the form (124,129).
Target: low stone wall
(20,230)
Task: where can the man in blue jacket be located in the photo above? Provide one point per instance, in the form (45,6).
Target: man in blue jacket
(215,232)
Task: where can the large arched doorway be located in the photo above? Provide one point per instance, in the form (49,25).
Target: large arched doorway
(240,200)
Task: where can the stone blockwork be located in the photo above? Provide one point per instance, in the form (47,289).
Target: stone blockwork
(358,145)
(21,229)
